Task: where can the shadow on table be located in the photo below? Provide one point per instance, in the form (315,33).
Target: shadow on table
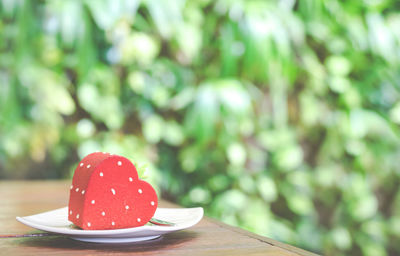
(168,241)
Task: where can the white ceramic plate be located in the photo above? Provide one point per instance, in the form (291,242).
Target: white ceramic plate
(56,221)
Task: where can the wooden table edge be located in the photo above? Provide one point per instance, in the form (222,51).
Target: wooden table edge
(263,239)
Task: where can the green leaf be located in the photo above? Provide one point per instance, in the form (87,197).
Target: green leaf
(153,129)
(267,188)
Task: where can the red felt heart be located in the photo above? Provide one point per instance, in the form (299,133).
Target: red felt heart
(106,193)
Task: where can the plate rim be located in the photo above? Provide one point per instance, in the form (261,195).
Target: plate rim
(111,232)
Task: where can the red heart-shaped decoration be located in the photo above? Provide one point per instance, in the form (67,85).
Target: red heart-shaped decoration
(106,193)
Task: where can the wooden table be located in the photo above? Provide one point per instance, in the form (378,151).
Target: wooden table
(209,237)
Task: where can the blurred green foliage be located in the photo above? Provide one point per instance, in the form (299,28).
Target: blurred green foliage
(281,117)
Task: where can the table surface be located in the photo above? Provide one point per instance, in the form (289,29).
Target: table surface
(209,237)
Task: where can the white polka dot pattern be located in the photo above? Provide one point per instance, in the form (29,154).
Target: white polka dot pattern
(104,204)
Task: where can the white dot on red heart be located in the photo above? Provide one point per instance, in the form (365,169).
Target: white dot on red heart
(101,174)
(77,216)
(113,223)
(77,189)
(103,213)
(127,207)
(88,224)
(139,220)
(140,191)
(130,179)
(81,165)
(93,202)
(71,187)
(83,192)
(119,163)
(88,166)
(113,191)
(152,203)
(70,212)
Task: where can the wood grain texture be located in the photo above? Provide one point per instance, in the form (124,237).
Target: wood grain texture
(209,237)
